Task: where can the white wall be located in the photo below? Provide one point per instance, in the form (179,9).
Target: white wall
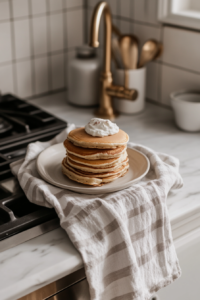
(37,38)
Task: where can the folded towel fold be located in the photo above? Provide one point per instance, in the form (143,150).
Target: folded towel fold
(125,237)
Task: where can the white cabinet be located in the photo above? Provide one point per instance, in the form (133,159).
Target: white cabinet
(188,286)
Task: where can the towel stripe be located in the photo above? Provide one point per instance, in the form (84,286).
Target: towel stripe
(141,234)
(129,296)
(124,272)
(100,235)
(83,213)
(119,274)
(121,246)
(157,249)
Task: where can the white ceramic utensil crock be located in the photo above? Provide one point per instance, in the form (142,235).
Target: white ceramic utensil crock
(186,106)
(136,79)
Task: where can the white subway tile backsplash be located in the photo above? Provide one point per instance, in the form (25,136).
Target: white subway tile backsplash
(73,3)
(89,19)
(41,75)
(56,32)
(74,28)
(125,27)
(113,6)
(20,8)
(4,10)
(41,30)
(55,5)
(39,35)
(57,71)
(69,56)
(24,79)
(92,3)
(22,39)
(5,41)
(174,79)
(116,22)
(153,81)
(100,55)
(36,38)
(125,8)
(182,48)
(38,7)
(6,79)
(145,32)
(145,11)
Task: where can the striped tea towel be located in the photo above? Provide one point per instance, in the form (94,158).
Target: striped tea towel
(125,237)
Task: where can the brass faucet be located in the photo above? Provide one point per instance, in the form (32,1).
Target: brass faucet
(108,90)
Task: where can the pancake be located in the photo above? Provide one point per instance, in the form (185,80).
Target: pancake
(112,178)
(95,169)
(80,138)
(88,180)
(96,175)
(100,163)
(93,154)
(81,179)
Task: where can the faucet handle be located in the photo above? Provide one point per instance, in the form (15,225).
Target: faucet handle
(122,92)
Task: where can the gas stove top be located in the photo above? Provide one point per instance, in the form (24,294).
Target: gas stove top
(20,124)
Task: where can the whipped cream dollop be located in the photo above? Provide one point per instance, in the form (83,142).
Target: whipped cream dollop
(101,127)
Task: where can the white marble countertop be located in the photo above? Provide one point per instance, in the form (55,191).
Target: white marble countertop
(42,260)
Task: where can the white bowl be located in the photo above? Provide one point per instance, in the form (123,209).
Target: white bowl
(186,106)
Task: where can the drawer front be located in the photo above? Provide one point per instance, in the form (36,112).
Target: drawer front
(78,291)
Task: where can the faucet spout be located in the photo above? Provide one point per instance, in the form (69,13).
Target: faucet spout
(108,90)
(100,9)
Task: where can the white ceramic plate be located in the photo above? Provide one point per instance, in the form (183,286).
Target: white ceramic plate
(50,169)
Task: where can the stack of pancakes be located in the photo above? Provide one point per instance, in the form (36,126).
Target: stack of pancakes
(95,160)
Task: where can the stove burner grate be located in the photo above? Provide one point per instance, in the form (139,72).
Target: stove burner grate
(24,120)
(22,123)
(5,126)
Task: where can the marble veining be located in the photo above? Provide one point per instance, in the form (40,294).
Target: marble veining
(36,263)
(51,256)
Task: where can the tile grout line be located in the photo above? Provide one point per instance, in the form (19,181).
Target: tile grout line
(41,14)
(118,13)
(13,47)
(85,21)
(49,67)
(132,9)
(85,9)
(69,49)
(131,15)
(160,82)
(46,93)
(37,56)
(32,49)
(65,44)
(130,19)
(178,67)
(13,62)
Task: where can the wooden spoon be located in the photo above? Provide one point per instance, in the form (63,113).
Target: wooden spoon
(150,50)
(128,45)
